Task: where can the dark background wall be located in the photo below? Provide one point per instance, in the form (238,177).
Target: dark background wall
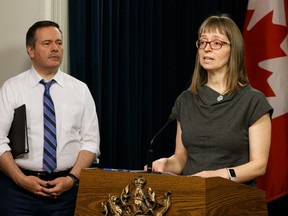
(137,56)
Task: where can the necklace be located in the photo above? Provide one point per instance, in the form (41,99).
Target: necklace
(221,96)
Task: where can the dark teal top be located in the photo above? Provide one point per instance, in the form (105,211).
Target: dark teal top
(215,130)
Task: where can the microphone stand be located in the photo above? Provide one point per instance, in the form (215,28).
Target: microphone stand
(150,152)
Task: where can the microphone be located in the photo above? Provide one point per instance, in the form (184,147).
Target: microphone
(150,153)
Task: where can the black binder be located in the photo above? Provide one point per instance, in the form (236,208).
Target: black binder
(18,133)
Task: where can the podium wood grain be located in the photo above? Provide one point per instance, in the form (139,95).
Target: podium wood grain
(191,196)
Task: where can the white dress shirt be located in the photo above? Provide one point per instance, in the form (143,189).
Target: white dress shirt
(76,117)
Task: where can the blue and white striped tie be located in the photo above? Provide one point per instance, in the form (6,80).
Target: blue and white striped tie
(50,142)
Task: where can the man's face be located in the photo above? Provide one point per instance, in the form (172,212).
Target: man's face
(47,53)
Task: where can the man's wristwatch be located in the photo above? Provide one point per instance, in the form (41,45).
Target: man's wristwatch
(232,174)
(75,179)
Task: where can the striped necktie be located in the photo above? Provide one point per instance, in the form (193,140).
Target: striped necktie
(50,142)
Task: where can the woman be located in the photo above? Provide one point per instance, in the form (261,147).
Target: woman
(223,124)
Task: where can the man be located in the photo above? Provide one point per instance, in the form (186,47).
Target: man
(38,183)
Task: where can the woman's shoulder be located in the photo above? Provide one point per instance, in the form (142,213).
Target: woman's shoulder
(250,91)
(256,100)
(186,93)
(184,96)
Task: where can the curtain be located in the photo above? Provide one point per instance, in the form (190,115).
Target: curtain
(137,56)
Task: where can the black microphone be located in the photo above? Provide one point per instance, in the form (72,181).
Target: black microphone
(150,153)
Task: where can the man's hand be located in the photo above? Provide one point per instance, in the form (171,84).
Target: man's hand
(57,186)
(51,189)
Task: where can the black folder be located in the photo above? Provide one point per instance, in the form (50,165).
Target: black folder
(18,133)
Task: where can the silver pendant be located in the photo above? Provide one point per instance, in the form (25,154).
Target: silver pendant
(220,98)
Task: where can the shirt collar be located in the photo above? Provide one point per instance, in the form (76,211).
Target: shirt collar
(36,78)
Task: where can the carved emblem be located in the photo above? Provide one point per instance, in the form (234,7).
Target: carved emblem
(136,201)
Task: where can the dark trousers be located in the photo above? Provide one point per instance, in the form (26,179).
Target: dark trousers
(15,201)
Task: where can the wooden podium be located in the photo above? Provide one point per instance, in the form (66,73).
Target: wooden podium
(191,196)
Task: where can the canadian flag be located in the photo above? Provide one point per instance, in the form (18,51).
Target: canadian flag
(266,46)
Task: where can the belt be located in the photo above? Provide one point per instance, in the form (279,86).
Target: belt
(45,175)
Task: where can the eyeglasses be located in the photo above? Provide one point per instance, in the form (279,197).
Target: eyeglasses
(215,44)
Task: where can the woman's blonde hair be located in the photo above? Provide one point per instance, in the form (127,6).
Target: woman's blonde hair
(236,75)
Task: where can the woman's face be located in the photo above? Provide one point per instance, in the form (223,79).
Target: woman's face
(215,55)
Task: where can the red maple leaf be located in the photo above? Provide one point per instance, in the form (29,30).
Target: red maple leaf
(262,42)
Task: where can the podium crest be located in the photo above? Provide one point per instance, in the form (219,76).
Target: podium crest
(136,201)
